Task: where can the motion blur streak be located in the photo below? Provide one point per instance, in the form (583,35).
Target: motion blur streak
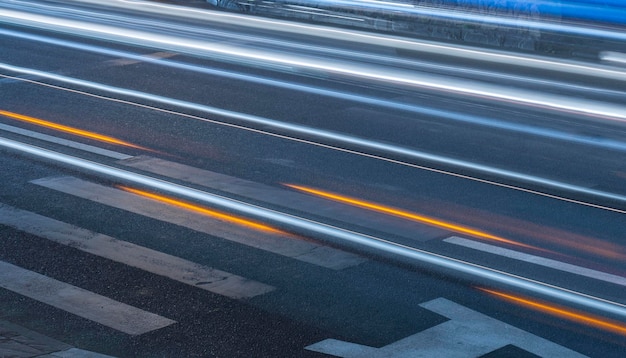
(203,211)
(288,62)
(386,103)
(581,318)
(405,215)
(534,230)
(308,227)
(67,129)
(362,145)
(361,6)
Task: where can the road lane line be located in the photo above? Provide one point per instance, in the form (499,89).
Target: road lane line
(461,269)
(159,263)
(283,245)
(468,334)
(557,265)
(80,302)
(65,142)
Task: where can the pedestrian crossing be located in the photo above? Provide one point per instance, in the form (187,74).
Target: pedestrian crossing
(118,315)
(95,307)
(136,321)
(114,314)
(159,263)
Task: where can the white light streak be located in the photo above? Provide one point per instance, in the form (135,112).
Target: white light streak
(287,62)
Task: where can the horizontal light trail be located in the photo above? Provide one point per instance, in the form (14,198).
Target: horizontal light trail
(204,211)
(413,63)
(282,61)
(284,245)
(361,145)
(406,215)
(387,40)
(537,260)
(67,129)
(422,110)
(577,317)
(321,231)
(617,57)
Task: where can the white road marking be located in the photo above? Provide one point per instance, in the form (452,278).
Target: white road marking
(309,227)
(557,265)
(467,334)
(83,303)
(206,278)
(65,142)
(283,245)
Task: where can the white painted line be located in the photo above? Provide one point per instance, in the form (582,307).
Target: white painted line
(83,303)
(557,265)
(468,334)
(65,142)
(283,245)
(175,268)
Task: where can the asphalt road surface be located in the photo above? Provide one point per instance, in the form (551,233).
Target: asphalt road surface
(187,183)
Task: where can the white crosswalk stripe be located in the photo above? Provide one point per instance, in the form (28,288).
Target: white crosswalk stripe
(149,260)
(83,303)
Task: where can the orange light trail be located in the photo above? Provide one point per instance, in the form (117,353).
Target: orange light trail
(203,211)
(406,215)
(577,317)
(67,129)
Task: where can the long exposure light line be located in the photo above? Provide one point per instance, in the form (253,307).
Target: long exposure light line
(361,146)
(582,318)
(385,103)
(406,215)
(68,129)
(320,230)
(202,210)
(287,61)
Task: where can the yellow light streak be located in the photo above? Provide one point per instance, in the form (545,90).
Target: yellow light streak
(204,211)
(582,318)
(68,129)
(406,215)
